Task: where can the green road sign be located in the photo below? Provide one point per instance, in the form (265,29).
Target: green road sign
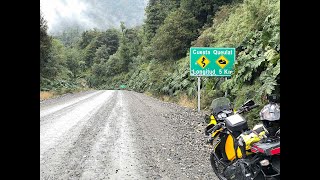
(206,61)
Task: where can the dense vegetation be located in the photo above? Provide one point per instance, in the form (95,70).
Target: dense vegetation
(154,57)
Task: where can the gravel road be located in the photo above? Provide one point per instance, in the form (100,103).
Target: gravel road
(121,135)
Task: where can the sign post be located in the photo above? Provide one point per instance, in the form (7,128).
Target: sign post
(206,61)
(226,93)
(199,93)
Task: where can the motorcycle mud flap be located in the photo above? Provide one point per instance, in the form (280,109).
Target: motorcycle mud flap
(237,171)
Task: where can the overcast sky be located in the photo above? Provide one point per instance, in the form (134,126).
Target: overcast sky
(54,9)
(91,13)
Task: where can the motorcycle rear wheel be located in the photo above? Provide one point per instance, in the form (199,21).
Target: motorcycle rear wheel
(218,169)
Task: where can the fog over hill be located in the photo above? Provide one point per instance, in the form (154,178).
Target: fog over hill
(89,14)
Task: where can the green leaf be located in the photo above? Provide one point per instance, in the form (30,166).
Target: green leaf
(276,70)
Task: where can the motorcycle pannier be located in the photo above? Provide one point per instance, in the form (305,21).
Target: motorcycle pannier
(236,123)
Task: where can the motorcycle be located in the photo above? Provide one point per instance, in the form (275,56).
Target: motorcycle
(230,160)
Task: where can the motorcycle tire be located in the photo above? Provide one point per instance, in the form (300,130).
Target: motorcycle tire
(217,167)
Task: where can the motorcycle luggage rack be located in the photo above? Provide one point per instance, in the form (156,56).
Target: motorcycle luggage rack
(266,148)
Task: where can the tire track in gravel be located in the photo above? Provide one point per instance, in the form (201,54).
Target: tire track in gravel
(74,160)
(123,156)
(53,111)
(64,158)
(113,156)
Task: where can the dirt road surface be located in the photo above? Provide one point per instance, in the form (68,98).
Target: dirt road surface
(121,135)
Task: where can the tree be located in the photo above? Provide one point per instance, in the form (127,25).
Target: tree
(129,46)
(155,17)
(174,37)
(92,40)
(115,65)
(74,62)
(203,10)
(156,12)
(69,37)
(101,55)
(45,47)
(87,37)
(110,38)
(57,62)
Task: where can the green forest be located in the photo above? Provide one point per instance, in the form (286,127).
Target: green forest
(154,58)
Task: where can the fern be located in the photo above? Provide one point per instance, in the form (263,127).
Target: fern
(268,86)
(256,63)
(185,83)
(276,70)
(247,76)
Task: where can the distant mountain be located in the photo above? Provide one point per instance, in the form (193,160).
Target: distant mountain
(100,14)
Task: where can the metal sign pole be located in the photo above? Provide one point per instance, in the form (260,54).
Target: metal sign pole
(198,93)
(226,93)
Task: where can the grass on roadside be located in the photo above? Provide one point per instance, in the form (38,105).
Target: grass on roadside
(185,101)
(182,99)
(46,95)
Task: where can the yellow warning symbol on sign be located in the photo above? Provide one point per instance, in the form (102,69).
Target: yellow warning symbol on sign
(222,61)
(203,61)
